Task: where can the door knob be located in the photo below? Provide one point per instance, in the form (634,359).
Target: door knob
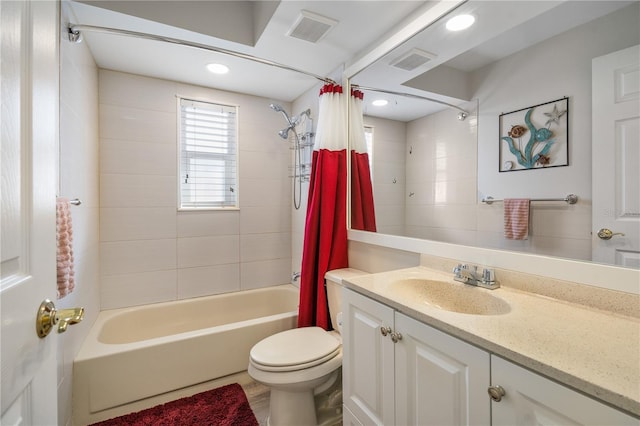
(48,316)
(606,234)
(496,393)
(385,330)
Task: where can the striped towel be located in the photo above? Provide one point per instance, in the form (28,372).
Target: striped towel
(64,255)
(516,218)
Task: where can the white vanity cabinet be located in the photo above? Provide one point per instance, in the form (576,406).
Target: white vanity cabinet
(399,371)
(531,399)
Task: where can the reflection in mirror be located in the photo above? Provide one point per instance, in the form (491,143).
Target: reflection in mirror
(431,168)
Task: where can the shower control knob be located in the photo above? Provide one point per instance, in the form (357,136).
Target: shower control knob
(385,330)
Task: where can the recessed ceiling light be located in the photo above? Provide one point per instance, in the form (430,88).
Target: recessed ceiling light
(460,22)
(218,68)
(379,102)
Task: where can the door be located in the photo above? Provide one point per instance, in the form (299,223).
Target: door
(616,156)
(530,399)
(29,93)
(440,380)
(367,363)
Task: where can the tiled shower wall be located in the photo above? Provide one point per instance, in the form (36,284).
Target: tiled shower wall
(151,252)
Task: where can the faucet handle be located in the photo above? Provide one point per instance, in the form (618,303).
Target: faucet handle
(488,275)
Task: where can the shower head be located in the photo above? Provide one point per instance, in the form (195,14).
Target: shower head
(276,107)
(284,133)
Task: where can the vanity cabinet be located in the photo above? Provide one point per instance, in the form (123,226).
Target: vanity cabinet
(399,371)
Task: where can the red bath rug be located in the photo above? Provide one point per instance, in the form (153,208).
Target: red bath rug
(224,406)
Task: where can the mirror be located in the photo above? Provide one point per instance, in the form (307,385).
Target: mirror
(432,169)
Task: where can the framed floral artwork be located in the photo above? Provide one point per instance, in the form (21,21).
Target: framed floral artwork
(535,137)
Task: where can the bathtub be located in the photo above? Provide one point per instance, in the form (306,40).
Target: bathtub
(135,353)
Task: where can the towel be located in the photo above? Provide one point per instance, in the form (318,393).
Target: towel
(516,218)
(64,253)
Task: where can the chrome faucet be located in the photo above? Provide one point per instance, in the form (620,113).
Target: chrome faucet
(469,274)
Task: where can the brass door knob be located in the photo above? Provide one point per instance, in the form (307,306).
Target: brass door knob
(606,234)
(396,337)
(496,393)
(48,316)
(385,330)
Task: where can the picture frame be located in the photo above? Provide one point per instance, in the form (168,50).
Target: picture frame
(535,137)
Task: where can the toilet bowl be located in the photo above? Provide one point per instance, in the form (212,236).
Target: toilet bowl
(295,363)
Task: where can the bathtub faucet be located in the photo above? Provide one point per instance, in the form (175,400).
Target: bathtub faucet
(295,276)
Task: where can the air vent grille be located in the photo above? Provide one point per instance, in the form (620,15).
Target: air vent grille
(413,59)
(311,27)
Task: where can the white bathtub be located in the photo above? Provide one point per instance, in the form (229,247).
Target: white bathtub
(136,353)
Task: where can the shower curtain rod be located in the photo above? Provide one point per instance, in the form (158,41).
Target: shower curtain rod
(75,29)
(409,95)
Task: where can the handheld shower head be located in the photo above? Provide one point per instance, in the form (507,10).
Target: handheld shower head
(278,108)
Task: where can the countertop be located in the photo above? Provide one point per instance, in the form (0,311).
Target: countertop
(593,351)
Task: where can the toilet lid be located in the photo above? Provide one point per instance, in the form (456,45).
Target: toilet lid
(295,349)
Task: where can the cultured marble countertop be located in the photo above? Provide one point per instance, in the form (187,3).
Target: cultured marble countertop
(591,350)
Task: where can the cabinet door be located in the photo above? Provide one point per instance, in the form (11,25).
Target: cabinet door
(531,399)
(367,364)
(440,380)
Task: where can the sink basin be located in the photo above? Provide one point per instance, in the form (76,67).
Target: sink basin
(450,297)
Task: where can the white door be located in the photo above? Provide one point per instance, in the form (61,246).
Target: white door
(367,363)
(29,123)
(616,158)
(440,380)
(532,400)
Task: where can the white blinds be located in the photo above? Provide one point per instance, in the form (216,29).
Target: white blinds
(208,155)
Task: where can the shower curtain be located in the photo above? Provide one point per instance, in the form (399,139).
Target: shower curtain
(325,235)
(363,215)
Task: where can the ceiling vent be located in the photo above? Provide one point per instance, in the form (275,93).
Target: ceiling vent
(311,27)
(413,59)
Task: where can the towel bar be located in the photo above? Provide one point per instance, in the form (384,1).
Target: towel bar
(569,199)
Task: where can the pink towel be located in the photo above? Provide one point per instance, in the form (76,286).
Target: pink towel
(516,218)
(64,254)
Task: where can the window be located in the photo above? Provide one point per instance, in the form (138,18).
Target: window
(368,137)
(208,155)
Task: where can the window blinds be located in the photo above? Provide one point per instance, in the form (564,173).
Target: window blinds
(208,155)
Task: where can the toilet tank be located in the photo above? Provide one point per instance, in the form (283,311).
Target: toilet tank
(333,280)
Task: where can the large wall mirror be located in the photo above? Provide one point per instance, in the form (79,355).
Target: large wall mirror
(524,71)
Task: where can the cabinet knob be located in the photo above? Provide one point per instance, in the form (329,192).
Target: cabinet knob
(496,392)
(396,337)
(385,330)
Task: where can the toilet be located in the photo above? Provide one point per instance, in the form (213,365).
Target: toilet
(296,364)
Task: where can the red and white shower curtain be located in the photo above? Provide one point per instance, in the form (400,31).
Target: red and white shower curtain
(325,236)
(363,215)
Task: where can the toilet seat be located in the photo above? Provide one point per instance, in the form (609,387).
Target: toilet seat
(295,349)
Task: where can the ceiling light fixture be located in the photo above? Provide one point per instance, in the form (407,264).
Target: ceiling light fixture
(460,22)
(379,102)
(218,68)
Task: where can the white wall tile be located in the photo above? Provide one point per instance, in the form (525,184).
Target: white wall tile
(141,223)
(123,257)
(208,222)
(140,125)
(135,91)
(255,247)
(207,251)
(208,280)
(133,289)
(140,158)
(125,190)
(264,273)
(256,220)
